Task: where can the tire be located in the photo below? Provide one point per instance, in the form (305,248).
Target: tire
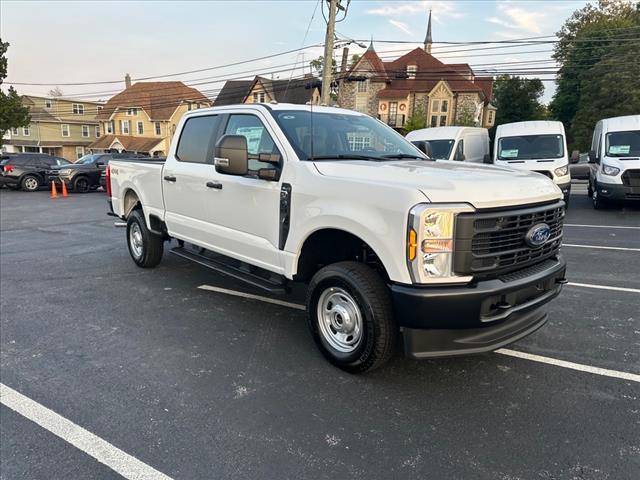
(145,247)
(350,316)
(598,202)
(30,183)
(589,191)
(81,185)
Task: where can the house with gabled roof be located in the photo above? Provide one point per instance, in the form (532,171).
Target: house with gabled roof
(143,117)
(265,90)
(417,82)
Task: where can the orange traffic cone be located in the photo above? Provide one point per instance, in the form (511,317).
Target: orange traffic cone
(54,191)
(64,190)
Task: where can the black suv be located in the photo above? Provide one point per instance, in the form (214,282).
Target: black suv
(88,172)
(27,171)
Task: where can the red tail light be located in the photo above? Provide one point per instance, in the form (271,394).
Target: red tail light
(8,168)
(108,179)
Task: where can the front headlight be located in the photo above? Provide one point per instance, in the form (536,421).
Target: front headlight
(609,170)
(430,238)
(561,171)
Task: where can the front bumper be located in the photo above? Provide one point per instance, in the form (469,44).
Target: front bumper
(565,187)
(618,192)
(479,317)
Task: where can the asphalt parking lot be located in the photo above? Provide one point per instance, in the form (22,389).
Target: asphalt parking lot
(199,384)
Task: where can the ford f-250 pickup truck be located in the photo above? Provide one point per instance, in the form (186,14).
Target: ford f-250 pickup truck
(458,258)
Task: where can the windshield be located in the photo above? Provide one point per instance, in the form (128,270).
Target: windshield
(86,159)
(623,144)
(342,136)
(531,147)
(441,149)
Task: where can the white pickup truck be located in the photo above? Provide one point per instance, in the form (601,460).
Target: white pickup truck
(458,258)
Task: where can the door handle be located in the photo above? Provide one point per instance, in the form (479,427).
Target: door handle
(170,178)
(216,185)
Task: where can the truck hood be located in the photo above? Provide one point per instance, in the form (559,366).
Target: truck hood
(483,186)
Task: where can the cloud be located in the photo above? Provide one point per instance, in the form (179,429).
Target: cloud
(514,16)
(442,9)
(401,26)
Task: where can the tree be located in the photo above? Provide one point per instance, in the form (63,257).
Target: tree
(318,65)
(12,113)
(518,99)
(466,117)
(591,34)
(354,59)
(416,121)
(56,92)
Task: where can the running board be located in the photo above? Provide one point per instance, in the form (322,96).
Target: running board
(238,273)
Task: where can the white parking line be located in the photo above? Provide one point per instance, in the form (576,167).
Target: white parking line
(114,458)
(503,351)
(604,287)
(573,366)
(601,247)
(599,226)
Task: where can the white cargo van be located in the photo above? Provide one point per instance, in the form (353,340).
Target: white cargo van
(615,160)
(469,144)
(538,146)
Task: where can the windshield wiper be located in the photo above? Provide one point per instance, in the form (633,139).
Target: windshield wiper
(343,156)
(406,155)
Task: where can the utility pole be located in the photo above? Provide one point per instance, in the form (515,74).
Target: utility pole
(327,69)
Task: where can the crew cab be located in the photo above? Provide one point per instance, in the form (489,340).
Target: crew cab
(614,159)
(458,258)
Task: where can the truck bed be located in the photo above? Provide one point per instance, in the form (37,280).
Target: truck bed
(144,177)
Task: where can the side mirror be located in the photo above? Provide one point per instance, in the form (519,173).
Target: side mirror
(575,156)
(592,156)
(231,156)
(424,147)
(486,158)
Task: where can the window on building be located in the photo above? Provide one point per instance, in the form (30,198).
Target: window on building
(412,70)
(140,128)
(445,106)
(78,109)
(434,120)
(85,130)
(363,86)
(362,104)
(490,116)
(258,97)
(132,112)
(443,120)
(158,130)
(79,152)
(358,142)
(97,131)
(14,131)
(47,103)
(98,108)
(125,127)
(435,105)
(26,131)
(64,128)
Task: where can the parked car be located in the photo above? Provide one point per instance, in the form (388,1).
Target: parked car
(615,161)
(27,171)
(469,144)
(462,257)
(538,146)
(581,169)
(87,173)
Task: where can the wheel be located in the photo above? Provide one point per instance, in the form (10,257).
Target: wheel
(350,317)
(81,185)
(30,183)
(145,247)
(598,202)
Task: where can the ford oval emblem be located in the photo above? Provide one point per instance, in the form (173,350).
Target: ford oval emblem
(538,235)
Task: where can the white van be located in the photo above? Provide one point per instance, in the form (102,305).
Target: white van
(539,146)
(470,144)
(615,160)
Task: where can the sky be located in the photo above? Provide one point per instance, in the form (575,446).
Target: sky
(83,41)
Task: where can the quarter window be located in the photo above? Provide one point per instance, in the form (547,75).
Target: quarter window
(197,138)
(259,142)
(78,109)
(64,128)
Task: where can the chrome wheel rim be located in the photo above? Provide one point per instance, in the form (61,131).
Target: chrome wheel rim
(30,183)
(340,319)
(135,240)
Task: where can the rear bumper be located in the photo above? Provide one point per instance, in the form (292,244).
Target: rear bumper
(6,180)
(618,192)
(443,321)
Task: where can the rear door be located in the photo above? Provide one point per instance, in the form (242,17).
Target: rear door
(187,198)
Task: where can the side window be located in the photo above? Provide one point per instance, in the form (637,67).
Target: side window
(599,149)
(459,151)
(196,139)
(259,142)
